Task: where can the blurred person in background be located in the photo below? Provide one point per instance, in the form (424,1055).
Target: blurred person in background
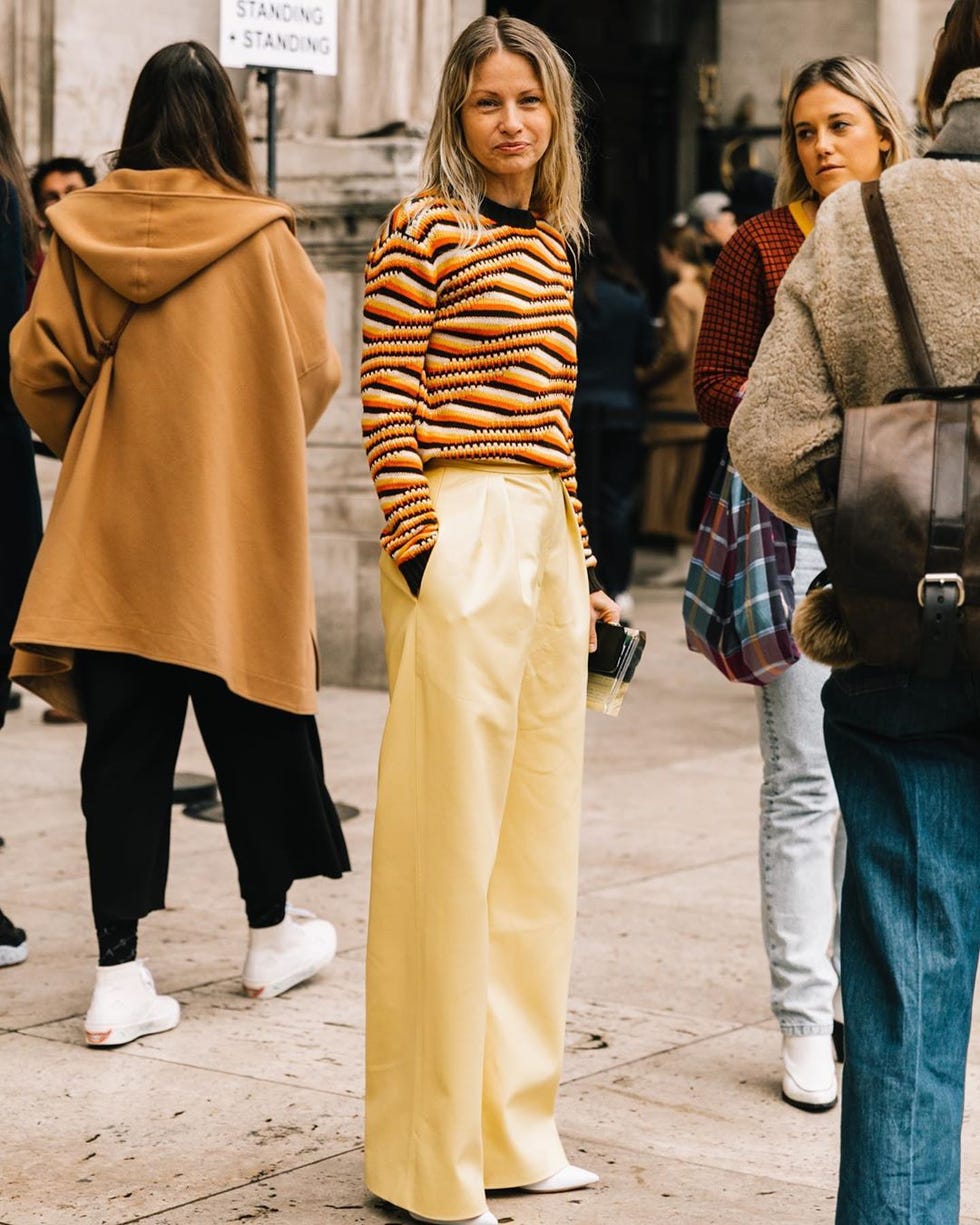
(51,181)
(841,123)
(56,178)
(615,345)
(712,216)
(20,505)
(675,434)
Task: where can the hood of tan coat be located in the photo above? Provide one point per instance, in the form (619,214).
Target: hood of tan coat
(144,232)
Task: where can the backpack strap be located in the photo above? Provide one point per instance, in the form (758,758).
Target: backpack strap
(108,347)
(898,287)
(941,590)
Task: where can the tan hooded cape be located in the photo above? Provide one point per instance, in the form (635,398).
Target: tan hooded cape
(179,525)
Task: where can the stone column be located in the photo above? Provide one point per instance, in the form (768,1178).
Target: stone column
(347,188)
(898,52)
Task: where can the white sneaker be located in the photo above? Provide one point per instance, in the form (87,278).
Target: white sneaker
(13,954)
(291,952)
(125,1006)
(568,1178)
(485,1218)
(809,1074)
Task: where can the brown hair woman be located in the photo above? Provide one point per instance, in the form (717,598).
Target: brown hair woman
(175,356)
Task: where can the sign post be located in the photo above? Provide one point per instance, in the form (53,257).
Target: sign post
(300,35)
(270,79)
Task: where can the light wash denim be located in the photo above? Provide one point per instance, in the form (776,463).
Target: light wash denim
(801,838)
(905,752)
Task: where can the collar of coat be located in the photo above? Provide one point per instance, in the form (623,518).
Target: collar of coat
(961,115)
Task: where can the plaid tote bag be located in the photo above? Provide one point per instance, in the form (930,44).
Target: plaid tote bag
(738,598)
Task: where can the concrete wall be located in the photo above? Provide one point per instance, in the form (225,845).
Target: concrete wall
(763,42)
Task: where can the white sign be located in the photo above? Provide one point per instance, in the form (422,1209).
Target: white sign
(300,34)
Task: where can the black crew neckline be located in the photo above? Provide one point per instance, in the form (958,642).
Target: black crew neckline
(519,218)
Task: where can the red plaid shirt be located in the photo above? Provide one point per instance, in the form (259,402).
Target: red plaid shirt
(740,304)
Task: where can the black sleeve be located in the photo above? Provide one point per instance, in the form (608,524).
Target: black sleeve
(20,506)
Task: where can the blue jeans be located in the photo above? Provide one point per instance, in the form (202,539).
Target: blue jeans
(905,752)
(801,840)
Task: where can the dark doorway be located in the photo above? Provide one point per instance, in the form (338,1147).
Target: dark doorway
(633,64)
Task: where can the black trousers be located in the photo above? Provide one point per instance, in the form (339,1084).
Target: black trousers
(608,463)
(280,820)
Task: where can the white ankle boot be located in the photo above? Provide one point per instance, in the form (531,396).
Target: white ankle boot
(809,1074)
(568,1178)
(125,1006)
(485,1218)
(291,952)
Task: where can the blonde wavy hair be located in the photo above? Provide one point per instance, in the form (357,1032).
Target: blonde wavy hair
(450,170)
(858,78)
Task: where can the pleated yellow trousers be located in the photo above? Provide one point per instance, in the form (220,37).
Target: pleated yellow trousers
(474,870)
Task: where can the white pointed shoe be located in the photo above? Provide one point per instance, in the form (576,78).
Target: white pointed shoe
(485,1218)
(568,1178)
(291,952)
(125,1006)
(809,1074)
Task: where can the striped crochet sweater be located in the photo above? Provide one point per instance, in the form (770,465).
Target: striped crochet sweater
(469,354)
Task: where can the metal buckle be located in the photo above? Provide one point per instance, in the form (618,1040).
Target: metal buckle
(943,580)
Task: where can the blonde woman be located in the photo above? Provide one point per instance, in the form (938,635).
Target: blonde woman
(842,123)
(467,379)
(904,746)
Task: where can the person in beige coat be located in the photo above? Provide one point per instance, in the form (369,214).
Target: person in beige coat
(904,748)
(675,434)
(175,356)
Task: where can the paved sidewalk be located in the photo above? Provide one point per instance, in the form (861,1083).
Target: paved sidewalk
(251,1110)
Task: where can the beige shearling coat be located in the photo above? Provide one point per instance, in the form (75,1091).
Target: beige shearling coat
(179,526)
(833,342)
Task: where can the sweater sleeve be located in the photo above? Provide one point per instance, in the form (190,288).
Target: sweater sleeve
(790,418)
(399,311)
(735,319)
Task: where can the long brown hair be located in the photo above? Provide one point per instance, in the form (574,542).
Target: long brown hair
(957,48)
(450,169)
(184,113)
(602,260)
(681,238)
(12,169)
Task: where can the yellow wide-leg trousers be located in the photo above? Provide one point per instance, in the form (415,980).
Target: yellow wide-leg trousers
(474,869)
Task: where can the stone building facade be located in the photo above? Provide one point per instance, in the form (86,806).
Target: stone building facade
(349,148)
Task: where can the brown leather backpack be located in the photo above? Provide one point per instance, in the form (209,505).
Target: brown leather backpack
(901,533)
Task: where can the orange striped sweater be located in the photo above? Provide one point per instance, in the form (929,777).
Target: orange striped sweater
(469,354)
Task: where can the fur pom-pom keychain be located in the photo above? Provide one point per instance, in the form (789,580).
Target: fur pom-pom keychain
(820,632)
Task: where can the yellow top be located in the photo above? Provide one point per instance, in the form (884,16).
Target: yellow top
(802,217)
